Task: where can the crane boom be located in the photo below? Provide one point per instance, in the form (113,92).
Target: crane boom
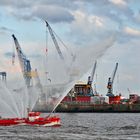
(54,40)
(24,62)
(26,70)
(110,82)
(90,78)
(114,73)
(93,71)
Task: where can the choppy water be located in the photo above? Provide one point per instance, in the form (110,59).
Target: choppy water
(80,126)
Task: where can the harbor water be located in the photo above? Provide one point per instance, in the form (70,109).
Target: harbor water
(80,126)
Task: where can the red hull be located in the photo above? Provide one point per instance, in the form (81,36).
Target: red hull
(31,120)
(11,121)
(115,99)
(50,121)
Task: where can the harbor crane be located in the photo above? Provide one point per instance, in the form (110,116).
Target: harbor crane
(90,78)
(53,36)
(24,62)
(110,82)
(28,74)
(54,40)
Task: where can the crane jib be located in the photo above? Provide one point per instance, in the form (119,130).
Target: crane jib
(55,41)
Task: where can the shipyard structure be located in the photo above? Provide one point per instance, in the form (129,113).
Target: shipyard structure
(81,98)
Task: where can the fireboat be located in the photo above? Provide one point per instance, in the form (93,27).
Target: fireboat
(33,119)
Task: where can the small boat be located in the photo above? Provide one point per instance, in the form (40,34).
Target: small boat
(33,119)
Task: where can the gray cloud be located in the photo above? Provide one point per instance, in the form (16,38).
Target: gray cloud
(126,34)
(137,17)
(53,14)
(54,11)
(105,8)
(108,9)
(16,3)
(69,4)
(8,54)
(5,30)
(60,10)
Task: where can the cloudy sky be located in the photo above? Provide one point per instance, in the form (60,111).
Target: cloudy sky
(79,23)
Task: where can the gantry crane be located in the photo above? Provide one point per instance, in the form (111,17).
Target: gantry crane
(110,82)
(24,63)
